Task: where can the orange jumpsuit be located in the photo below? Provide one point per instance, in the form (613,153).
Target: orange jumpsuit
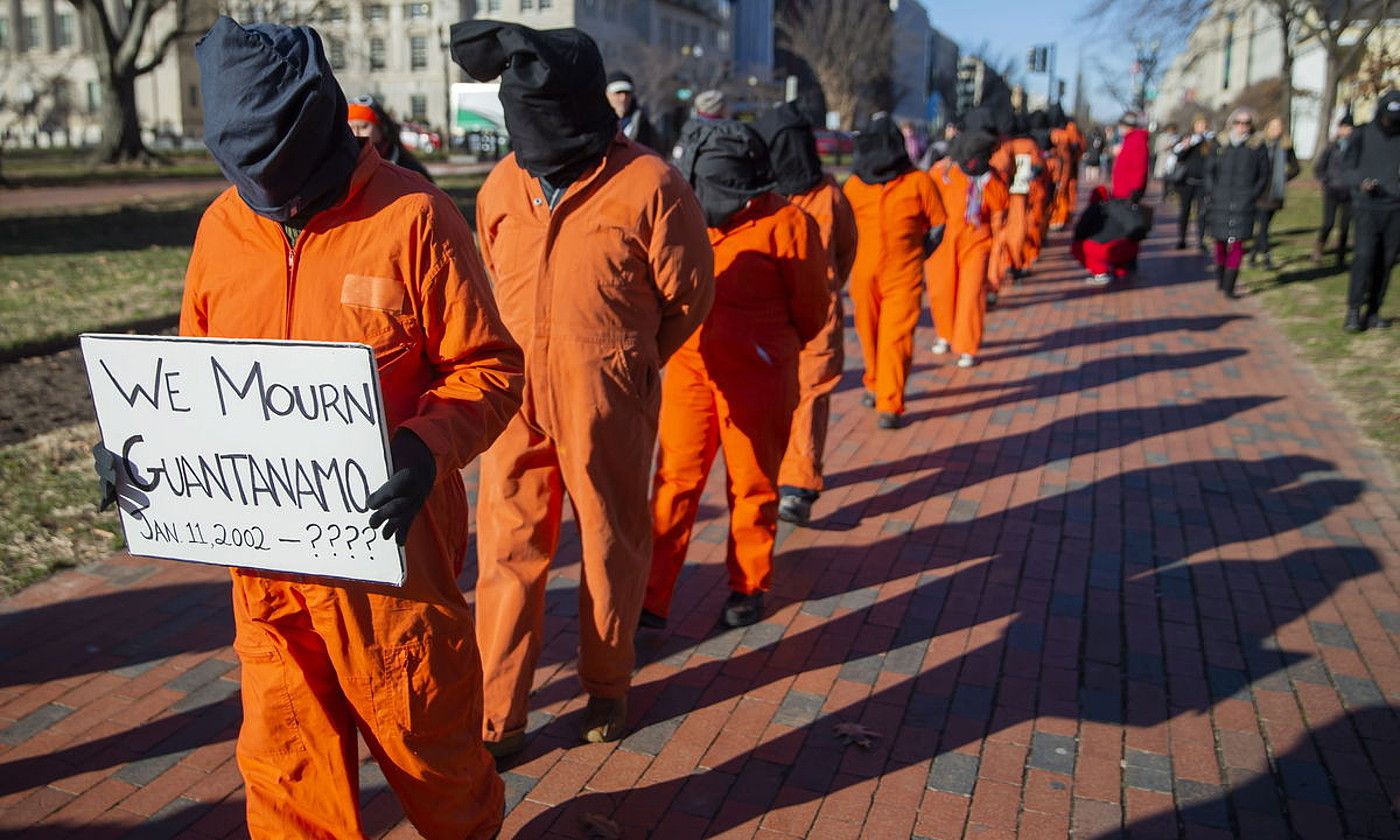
(892,221)
(957,271)
(819,365)
(1069,144)
(1022,168)
(392,266)
(734,385)
(600,291)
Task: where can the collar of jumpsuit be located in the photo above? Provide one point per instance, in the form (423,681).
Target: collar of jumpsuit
(274,118)
(552,92)
(880,154)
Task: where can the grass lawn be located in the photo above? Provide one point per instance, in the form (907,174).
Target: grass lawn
(67,272)
(65,167)
(1309,301)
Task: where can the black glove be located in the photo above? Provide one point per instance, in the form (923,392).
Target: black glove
(397,503)
(105,463)
(932,240)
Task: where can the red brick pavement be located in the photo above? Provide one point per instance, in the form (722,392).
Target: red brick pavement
(1134,572)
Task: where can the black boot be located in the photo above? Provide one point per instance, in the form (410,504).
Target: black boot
(1374,321)
(1227,282)
(1220,278)
(1353,322)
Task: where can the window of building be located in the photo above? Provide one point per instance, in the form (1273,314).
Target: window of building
(335,49)
(63,31)
(28,33)
(336,14)
(94,96)
(590,7)
(418,107)
(194,96)
(527,5)
(546,4)
(493,5)
(417,52)
(417,11)
(611,9)
(376,11)
(376,54)
(4,33)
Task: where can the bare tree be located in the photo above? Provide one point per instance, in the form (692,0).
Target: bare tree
(126,47)
(1342,28)
(841,41)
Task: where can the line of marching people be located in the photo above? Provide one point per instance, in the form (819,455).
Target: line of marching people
(539,348)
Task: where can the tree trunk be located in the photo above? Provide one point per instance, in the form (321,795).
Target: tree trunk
(121,126)
(1327,100)
(1285,98)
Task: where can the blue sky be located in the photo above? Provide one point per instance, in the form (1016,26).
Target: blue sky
(1013,26)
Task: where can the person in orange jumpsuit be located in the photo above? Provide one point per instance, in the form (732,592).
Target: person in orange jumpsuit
(321,239)
(1069,146)
(975,198)
(1021,166)
(733,386)
(792,150)
(602,268)
(1039,130)
(899,220)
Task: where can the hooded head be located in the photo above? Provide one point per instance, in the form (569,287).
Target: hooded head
(979,119)
(1020,126)
(1057,116)
(274,117)
(972,151)
(728,167)
(792,149)
(1388,112)
(552,91)
(880,154)
(1039,123)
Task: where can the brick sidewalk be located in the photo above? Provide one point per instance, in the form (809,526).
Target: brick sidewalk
(1135,572)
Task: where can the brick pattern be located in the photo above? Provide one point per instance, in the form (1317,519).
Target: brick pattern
(1133,573)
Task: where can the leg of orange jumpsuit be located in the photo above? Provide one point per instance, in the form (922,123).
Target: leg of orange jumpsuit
(970,300)
(1016,221)
(900,305)
(865,299)
(609,482)
(687,443)
(755,416)
(940,272)
(1071,196)
(520,506)
(818,371)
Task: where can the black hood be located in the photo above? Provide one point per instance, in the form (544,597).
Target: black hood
(980,119)
(880,154)
(792,149)
(972,151)
(727,166)
(1388,112)
(1020,126)
(1057,116)
(1039,123)
(274,117)
(553,90)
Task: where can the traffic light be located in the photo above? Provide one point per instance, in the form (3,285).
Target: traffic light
(1033,60)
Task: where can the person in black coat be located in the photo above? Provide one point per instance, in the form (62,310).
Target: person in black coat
(631,116)
(1372,169)
(1237,174)
(1189,177)
(1336,194)
(1283,167)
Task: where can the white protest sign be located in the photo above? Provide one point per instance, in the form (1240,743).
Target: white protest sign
(258,454)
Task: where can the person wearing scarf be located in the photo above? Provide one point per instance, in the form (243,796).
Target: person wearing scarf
(733,385)
(320,239)
(898,222)
(1283,167)
(1021,165)
(792,151)
(975,198)
(1237,175)
(603,269)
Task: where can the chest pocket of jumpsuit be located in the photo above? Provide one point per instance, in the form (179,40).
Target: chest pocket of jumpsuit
(620,260)
(380,311)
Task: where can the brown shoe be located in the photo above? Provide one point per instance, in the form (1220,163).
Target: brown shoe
(604,720)
(507,746)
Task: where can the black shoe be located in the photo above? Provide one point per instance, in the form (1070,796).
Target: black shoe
(652,621)
(1375,322)
(1353,322)
(742,610)
(991,299)
(1181,244)
(795,509)
(889,421)
(1227,282)
(867,399)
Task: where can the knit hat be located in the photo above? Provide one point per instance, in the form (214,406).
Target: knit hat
(710,104)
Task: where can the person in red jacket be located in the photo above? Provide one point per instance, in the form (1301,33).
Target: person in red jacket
(1130,160)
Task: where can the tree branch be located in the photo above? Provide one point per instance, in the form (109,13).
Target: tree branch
(179,30)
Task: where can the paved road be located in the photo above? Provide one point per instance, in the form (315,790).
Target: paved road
(1134,572)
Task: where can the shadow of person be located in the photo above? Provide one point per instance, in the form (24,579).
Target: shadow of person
(1053,599)
(1103,333)
(112,631)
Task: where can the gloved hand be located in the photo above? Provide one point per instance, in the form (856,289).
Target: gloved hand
(397,503)
(105,464)
(932,240)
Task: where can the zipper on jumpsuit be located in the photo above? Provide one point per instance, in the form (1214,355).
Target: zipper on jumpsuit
(291,283)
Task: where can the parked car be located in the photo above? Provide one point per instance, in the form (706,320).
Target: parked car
(418,138)
(835,143)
